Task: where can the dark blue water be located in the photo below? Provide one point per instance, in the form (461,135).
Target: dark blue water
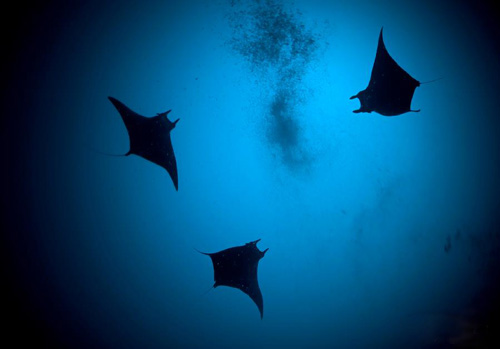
(382,232)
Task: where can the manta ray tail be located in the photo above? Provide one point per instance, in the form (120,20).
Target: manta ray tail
(208,254)
(428,82)
(206,292)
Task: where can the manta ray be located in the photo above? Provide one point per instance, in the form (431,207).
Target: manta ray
(150,137)
(237,267)
(390,89)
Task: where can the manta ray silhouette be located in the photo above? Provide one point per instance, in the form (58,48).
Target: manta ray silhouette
(390,89)
(150,137)
(237,267)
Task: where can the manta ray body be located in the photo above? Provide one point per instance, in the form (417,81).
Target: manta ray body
(150,137)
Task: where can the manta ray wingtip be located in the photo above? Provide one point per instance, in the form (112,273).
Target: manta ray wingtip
(381,37)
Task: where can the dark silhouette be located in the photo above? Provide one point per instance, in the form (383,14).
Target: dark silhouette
(237,267)
(390,90)
(150,137)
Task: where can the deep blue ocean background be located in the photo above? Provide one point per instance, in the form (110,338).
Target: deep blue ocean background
(382,232)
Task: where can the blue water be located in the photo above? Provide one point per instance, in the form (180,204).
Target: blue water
(382,232)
